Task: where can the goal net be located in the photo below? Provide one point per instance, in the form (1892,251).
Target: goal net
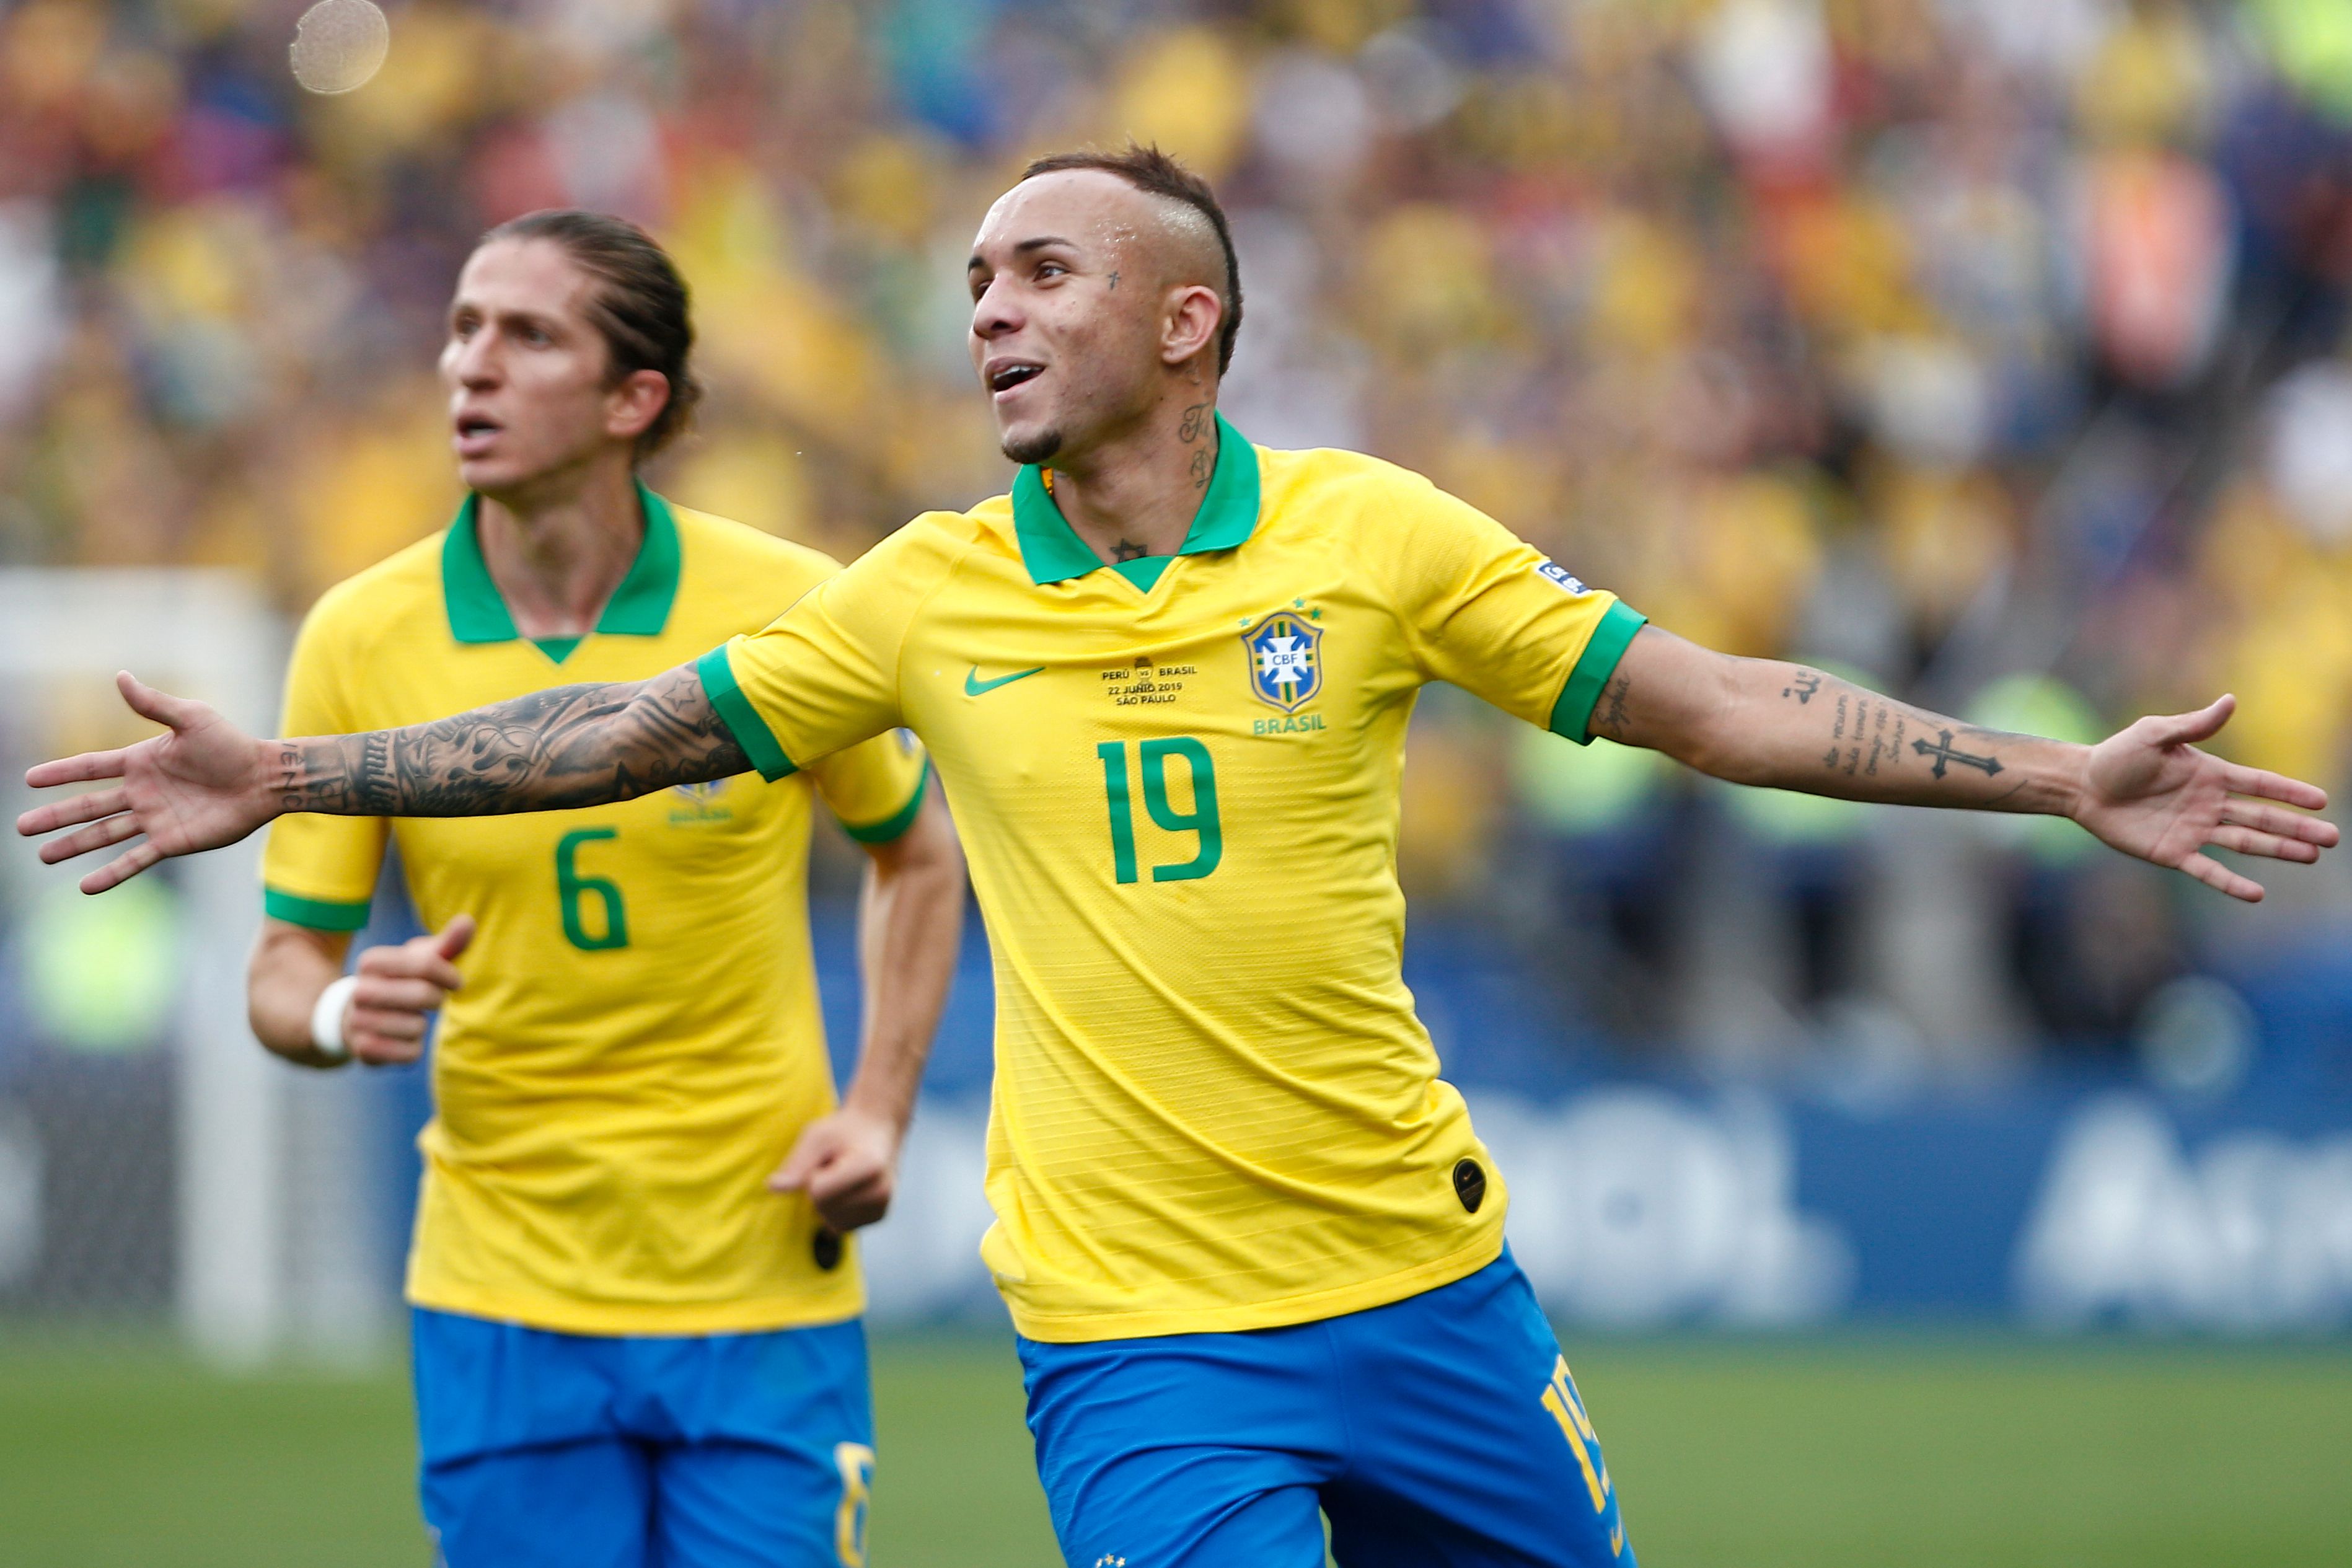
(157,1167)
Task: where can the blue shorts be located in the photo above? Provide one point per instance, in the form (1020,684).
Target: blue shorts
(549,1450)
(1441,1431)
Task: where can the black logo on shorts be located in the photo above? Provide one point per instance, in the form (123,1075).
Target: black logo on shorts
(1469,1184)
(826,1249)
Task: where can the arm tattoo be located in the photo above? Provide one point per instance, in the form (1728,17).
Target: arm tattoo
(574,745)
(1943,753)
(1610,719)
(1869,733)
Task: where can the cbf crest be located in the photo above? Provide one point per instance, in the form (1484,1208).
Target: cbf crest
(1285,659)
(705,803)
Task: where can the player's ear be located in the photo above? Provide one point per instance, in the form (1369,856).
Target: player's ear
(1191,322)
(636,401)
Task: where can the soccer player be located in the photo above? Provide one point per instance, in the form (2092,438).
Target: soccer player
(1252,1247)
(628,1350)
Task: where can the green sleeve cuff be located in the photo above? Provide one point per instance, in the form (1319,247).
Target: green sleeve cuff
(319,914)
(893,825)
(1573,712)
(743,719)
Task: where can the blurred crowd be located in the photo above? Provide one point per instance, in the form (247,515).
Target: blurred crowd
(1991,351)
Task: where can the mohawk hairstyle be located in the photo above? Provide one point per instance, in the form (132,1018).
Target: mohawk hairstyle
(1150,170)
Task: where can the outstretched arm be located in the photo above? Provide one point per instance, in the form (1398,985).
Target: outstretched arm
(2146,790)
(204,782)
(572,746)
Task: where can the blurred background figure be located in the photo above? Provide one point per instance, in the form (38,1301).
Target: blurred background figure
(1994,351)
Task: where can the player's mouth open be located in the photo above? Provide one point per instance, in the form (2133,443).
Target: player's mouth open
(474,431)
(1005,377)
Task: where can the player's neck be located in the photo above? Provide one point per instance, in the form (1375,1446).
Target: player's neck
(557,558)
(1137,492)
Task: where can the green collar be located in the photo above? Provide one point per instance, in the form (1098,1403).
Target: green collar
(1053,551)
(639,607)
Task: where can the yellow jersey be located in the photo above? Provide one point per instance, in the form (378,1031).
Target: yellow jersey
(638,1040)
(1176,781)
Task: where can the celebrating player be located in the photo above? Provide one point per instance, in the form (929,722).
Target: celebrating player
(1250,1244)
(628,1350)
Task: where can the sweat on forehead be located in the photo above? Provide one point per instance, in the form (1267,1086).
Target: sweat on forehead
(1094,206)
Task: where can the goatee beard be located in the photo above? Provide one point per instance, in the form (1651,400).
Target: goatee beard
(1035,449)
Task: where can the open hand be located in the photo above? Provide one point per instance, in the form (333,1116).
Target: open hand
(2149,792)
(399,988)
(847,1162)
(199,785)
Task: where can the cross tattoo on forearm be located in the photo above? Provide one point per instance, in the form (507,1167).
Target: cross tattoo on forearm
(1943,754)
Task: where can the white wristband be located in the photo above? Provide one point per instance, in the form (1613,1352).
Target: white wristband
(327,1017)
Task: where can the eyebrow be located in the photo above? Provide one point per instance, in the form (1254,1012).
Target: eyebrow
(1023,248)
(505,317)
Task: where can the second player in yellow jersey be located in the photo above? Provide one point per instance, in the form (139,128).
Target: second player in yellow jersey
(638,1040)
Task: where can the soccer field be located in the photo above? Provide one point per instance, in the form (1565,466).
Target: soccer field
(1871,1452)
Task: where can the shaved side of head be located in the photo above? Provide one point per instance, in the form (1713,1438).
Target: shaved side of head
(1183,244)
(1187,238)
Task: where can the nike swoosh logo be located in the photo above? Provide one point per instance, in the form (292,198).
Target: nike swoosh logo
(973,686)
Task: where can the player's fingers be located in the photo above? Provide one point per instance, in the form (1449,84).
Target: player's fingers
(384,1023)
(97,835)
(379,1051)
(2269,785)
(123,867)
(2188,729)
(811,1152)
(413,960)
(88,807)
(176,712)
(844,1218)
(455,938)
(854,1207)
(79,769)
(2277,847)
(396,993)
(845,1173)
(2264,818)
(2215,875)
